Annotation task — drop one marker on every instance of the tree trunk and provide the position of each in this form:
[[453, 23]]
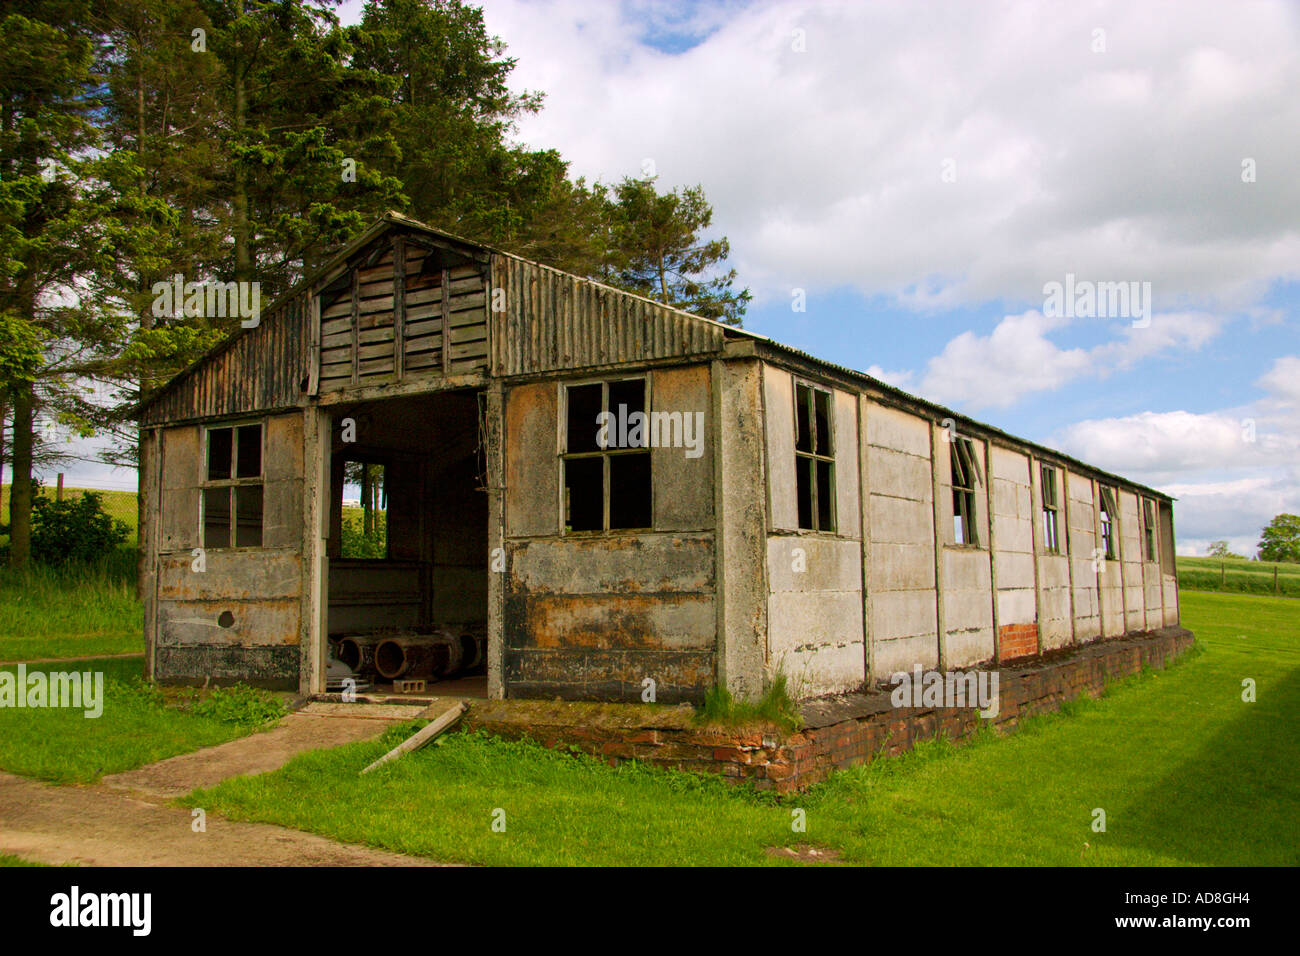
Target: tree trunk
[[367, 515], [20, 500]]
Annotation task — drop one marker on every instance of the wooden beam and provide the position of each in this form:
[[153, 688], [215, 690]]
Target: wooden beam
[[313, 337], [356, 325], [399, 307], [423, 735], [446, 320]]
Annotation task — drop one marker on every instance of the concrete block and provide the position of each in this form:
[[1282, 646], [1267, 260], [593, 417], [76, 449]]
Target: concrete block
[[898, 475], [901, 431], [829, 565], [903, 654], [902, 614], [900, 567]]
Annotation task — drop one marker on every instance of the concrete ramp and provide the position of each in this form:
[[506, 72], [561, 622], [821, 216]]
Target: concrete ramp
[[313, 728]]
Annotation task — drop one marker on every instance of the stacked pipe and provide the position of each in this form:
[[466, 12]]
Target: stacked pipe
[[358, 652], [445, 653]]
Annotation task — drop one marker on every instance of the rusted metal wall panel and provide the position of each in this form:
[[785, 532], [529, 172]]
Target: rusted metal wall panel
[[593, 617], [259, 369], [552, 320]]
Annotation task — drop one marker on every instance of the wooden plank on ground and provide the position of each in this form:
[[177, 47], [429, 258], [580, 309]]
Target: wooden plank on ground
[[423, 735]]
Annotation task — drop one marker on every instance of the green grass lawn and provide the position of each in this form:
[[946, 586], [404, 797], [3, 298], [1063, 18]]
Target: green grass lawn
[[139, 724], [71, 613], [1186, 772], [1238, 575]]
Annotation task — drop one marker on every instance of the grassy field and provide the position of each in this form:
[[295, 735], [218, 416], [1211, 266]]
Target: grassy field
[[139, 724], [79, 612], [1186, 772], [119, 504], [1238, 575]]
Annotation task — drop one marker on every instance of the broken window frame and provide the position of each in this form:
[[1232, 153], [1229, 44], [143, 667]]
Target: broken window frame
[[604, 454], [1148, 530], [965, 507], [232, 484], [1108, 516], [1049, 496], [809, 462]]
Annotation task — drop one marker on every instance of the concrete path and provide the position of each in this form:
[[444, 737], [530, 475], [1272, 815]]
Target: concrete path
[[95, 826], [125, 821], [308, 729]]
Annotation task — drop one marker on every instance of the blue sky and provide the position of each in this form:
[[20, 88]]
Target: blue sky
[[922, 170]]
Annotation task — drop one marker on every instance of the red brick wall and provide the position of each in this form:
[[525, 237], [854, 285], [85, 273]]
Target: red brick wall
[[1017, 640]]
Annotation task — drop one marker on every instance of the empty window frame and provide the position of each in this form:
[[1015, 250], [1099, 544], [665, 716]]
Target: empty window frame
[[606, 459], [1149, 529], [967, 476], [364, 521], [1051, 510], [1109, 522], [814, 457], [232, 489]]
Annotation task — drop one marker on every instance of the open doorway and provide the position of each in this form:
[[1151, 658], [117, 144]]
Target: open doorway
[[408, 564]]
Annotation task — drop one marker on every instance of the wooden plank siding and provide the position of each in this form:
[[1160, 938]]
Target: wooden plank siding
[[258, 369], [554, 321], [360, 325], [440, 306]]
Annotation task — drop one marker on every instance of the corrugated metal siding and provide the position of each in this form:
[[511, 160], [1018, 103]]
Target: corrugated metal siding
[[260, 369], [557, 321]]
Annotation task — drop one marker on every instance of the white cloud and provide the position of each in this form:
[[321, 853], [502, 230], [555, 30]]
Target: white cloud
[[1162, 445], [1232, 470], [901, 378], [1283, 381], [824, 167], [1019, 358]]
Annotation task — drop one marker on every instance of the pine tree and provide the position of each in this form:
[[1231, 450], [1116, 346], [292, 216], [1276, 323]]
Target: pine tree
[[660, 253]]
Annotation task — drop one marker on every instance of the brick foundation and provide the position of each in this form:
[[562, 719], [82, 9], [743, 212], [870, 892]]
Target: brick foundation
[[838, 732]]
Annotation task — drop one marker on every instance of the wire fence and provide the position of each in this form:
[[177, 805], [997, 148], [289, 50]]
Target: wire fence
[[118, 503]]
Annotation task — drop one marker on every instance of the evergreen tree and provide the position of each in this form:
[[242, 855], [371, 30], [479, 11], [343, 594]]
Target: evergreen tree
[[59, 229], [660, 253]]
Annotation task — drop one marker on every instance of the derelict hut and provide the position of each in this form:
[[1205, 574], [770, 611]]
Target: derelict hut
[[781, 514]]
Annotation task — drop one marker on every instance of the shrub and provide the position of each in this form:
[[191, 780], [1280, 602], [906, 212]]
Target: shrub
[[355, 543], [240, 704], [76, 529]]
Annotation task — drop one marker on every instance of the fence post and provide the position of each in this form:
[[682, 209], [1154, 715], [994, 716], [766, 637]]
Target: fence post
[[58, 494]]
